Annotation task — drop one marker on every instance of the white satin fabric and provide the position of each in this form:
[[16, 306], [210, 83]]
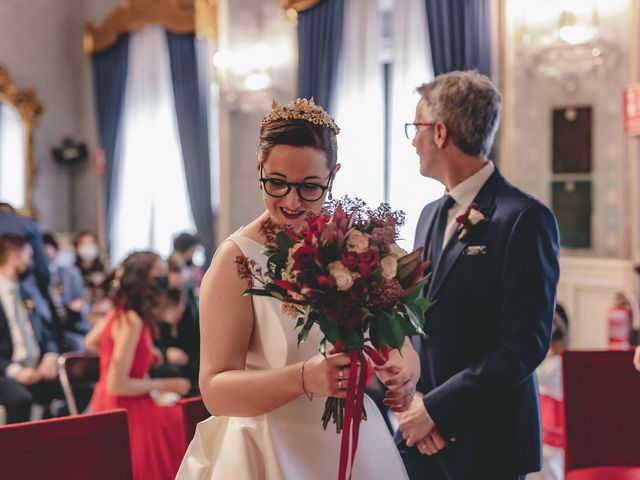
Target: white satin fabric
[[289, 442]]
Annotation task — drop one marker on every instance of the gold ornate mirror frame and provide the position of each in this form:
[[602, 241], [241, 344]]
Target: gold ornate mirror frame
[[28, 106], [176, 16], [299, 5]]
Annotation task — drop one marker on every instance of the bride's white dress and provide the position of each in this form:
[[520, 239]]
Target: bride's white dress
[[289, 442]]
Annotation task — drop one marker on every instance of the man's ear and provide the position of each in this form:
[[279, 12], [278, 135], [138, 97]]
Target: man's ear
[[441, 134]]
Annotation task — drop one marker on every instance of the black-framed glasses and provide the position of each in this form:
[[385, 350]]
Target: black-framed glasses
[[411, 129], [278, 188]]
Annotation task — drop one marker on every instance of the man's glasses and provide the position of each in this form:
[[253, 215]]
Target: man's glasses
[[311, 192], [411, 129]]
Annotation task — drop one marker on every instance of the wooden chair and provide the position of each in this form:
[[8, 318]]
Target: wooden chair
[[602, 411], [94, 446], [76, 371]]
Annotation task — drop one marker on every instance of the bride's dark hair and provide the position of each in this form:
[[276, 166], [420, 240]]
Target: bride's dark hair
[[299, 133]]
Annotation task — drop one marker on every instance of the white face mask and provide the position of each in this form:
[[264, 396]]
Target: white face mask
[[88, 252]]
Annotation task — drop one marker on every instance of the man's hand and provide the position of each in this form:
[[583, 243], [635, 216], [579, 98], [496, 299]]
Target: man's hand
[[27, 376], [48, 368], [416, 423], [432, 443], [636, 358]]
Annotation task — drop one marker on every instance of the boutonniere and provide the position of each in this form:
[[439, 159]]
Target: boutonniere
[[28, 305], [471, 218]]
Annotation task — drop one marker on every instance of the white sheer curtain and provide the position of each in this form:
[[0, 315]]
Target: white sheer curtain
[[412, 66], [152, 203], [12, 157], [359, 105]]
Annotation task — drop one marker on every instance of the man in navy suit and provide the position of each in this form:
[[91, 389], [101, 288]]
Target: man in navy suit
[[28, 350], [12, 222], [494, 263]]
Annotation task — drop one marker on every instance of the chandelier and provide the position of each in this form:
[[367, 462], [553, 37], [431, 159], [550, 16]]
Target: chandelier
[[574, 49]]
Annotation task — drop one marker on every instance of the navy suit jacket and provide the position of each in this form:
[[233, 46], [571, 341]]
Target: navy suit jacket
[[488, 331], [39, 324], [28, 228]]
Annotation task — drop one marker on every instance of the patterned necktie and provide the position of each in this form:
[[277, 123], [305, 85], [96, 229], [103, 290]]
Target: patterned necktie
[[439, 227], [30, 345]]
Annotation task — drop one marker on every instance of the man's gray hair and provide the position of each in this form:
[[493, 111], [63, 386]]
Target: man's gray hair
[[469, 105]]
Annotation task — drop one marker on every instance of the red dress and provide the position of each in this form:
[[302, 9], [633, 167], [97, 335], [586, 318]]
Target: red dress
[[155, 433]]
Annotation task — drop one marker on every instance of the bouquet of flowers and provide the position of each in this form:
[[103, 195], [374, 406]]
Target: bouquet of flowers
[[344, 272]]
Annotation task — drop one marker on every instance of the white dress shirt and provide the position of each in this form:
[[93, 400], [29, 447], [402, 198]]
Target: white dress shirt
[[8, 290], [464, 193]]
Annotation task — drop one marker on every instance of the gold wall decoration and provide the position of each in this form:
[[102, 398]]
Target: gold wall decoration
[[176, 16], [28, 106], [299, 5]]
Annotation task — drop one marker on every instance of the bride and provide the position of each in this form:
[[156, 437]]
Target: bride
[[267, 394]]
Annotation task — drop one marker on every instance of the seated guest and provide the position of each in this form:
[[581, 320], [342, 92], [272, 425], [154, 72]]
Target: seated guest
[[89, 263], [69, 307], [179, 328], [551, 399], [138, 289], [12, 222], [28, 350], [185, 246]]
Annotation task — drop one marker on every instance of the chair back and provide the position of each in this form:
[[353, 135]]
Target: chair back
[[94, 446], [602, 409], [193, 412], [77, 370]]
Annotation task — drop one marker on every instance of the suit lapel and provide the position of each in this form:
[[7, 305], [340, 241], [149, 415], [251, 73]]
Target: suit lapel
[[423, 235], [486, 202]]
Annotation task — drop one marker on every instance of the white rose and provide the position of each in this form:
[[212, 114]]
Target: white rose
[[396, 251], [475, 216], [341, 275], [357, 242], [389, 267]]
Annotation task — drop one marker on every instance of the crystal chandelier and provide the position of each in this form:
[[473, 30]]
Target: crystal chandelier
[[574, 48]]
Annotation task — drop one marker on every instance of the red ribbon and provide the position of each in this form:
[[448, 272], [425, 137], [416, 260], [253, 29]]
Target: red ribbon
[[354, 404]]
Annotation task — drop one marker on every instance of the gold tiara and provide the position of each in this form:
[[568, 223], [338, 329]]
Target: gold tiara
[[301, 109]]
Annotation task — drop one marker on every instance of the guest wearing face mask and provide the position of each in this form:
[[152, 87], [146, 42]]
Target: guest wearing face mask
[[179, 331], [185, 246], [68, 304], [88, 260], [12, 222]]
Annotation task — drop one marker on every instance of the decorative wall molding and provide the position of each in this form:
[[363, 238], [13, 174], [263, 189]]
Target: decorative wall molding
[[28, 106], [176, 16], [586, 290]]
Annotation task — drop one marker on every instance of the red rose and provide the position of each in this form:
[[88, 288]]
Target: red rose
[[349, 314], [367, 262], [305, 258], [350, 260]]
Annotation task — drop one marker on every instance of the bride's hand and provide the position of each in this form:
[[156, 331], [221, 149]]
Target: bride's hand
[[397, 376], [327, 376]]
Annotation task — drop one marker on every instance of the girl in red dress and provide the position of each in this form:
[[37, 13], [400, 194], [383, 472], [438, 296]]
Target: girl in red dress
[[126, 355]]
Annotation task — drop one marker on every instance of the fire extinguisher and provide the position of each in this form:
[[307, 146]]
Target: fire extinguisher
[[621, 320]]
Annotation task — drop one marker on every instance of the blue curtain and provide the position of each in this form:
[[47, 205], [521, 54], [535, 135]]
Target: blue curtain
[[190, 89], [460, 35], [110, 75], [319, 45]]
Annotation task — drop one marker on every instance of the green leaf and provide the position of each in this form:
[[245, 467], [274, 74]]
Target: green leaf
[[285, 242], [351, 338], [374, 333], [396, 329], [300, 322], [416, 316], [323, 347], [424, 304], [329, 327], [304, 332]]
